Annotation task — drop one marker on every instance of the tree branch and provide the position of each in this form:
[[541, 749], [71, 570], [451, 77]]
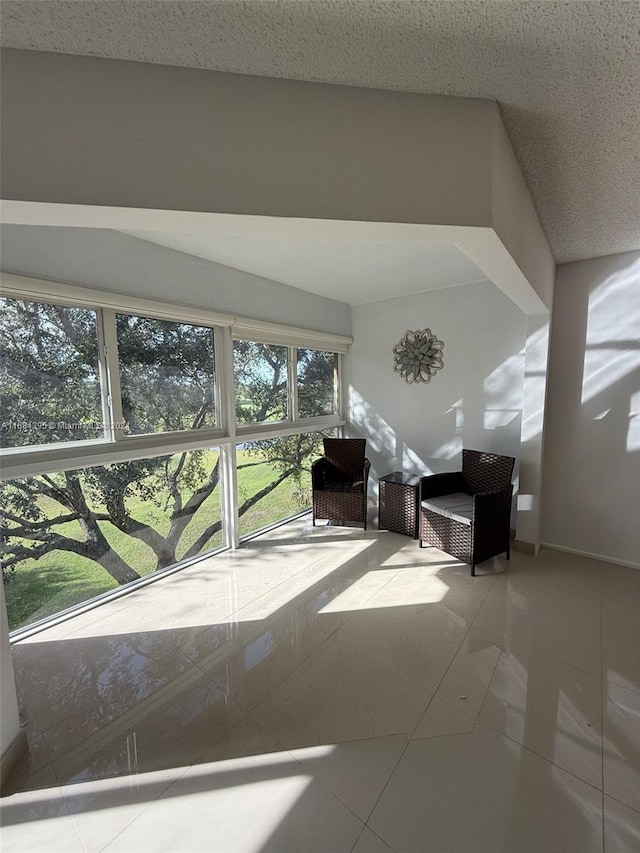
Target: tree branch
[[33, 526], [210, 531]]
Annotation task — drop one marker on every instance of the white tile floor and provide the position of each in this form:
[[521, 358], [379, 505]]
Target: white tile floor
[[333, 690]]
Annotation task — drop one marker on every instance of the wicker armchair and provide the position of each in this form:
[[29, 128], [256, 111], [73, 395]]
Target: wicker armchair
[[468, 513], [339, 481]]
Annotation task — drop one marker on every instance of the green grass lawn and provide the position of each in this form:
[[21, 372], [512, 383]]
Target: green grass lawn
[[40, 588]]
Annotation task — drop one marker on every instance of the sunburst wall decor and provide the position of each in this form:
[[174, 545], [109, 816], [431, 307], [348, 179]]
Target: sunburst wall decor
[[417, 356]]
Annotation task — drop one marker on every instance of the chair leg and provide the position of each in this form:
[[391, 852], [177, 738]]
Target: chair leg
[[473, 570], [420, 545]]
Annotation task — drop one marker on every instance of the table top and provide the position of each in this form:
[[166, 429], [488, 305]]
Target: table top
[[402, 478]]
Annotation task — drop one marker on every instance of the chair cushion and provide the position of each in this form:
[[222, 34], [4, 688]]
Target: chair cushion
[[457, 506]]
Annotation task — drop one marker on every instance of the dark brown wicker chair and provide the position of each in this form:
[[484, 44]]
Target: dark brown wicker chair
[[468, 513], [339, 481]]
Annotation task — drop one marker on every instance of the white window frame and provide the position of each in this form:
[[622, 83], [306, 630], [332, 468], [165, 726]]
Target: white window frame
[[118, 447]]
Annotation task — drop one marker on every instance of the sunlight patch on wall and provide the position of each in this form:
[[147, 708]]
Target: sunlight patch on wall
[[633, 435], [503, 390], [378, 432], [612, 347], [535, 380]]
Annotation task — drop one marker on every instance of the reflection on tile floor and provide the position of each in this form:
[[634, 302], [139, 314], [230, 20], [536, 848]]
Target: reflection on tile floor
[[333, 690]]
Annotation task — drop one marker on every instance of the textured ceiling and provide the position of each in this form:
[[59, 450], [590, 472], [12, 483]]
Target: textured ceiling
[[566, 75]]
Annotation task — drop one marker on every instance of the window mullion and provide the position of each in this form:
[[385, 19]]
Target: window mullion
[[229, 477], [104, 377], [292, 367], [116, 431]]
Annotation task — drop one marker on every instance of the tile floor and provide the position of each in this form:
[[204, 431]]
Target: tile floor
[[332, 690]]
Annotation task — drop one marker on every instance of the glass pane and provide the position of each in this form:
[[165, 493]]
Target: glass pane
[[317, 378], [71, 536], [274, 478], [49, 376], [261, 382], [166, 375]]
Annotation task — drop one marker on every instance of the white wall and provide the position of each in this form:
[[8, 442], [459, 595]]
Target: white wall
[[84, 130], [475, 401], [112, 261], [591, 490]]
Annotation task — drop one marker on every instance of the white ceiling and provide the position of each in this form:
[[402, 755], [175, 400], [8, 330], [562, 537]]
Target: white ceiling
[[342, 269], [566, 75]]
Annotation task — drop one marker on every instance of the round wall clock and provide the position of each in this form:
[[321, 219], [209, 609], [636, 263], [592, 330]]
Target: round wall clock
[[417, 356]]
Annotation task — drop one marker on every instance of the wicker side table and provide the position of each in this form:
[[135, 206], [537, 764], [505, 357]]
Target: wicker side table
[[398, 503]]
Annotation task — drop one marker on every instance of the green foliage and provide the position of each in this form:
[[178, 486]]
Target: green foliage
[[69, 535], [261, 382], [316, 382], [48, 374], [166, 374]]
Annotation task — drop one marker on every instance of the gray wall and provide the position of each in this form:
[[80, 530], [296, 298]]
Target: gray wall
[[83, 130], [591, 491], [475, 401], [117, 262]]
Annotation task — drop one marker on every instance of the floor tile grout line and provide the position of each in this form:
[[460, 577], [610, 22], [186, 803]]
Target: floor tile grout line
[[622, 803], [77, 831], [249, 713], [386, 784], [373, 832], [539, 755], [444, 675], [146, 807]]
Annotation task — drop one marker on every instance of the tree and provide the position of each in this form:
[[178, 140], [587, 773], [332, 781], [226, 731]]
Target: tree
[[50, 376]]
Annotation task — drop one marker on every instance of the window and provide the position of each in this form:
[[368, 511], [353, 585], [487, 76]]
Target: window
[[261, 382], [274, 478], [70, 536], [49, 374], [167, 375], [128, 499], [317, 373]]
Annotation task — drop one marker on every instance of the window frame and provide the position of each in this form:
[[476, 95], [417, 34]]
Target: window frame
[[117, 447]]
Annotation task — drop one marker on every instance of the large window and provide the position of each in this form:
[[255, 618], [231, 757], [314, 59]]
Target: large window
[[107, 419], [277, 383], [166, 375], [317, 382], [274, 478], [49, 374], [261, 382], [67, 537]]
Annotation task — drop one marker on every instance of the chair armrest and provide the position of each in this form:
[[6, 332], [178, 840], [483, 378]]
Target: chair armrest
[[493, 507], [441, 484]]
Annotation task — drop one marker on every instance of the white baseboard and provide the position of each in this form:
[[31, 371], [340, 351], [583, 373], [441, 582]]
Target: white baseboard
[[602, 557]]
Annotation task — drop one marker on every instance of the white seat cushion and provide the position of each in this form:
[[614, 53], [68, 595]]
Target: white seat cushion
[[457, 506]]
